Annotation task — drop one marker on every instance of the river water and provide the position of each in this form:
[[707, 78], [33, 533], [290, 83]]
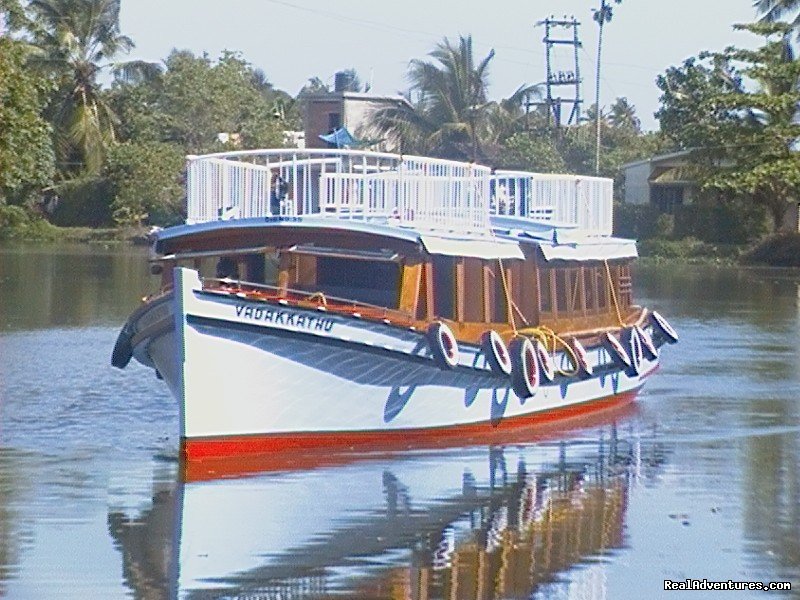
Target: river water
[[699, 479]]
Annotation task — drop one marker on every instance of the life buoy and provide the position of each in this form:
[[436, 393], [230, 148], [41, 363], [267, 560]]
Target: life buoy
[[648, 346], [662, 326], [616, 350], [548, 368], [635, 352], [579, 351], [496, 353], [524, 367], [444, 347]]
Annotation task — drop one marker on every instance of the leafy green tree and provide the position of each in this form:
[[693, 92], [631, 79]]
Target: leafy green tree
[[198, 99], [26, 150], [535, 153], [146, 182], [737, 109], [193, 106], [449, 116]]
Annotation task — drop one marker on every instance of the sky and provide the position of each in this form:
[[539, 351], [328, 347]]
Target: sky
[[293, 40]]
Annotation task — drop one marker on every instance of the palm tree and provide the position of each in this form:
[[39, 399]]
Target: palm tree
[[74, 41], [776, 10], [622, 115], [451, 103], [602, 15]]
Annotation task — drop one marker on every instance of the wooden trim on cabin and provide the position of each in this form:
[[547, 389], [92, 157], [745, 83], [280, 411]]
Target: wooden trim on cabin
[[459, 291], [429, 306], [284, 272], [410, 284], [488, 295]]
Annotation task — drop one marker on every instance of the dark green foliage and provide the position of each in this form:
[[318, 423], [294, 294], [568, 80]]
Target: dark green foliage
[[780, 250], [706, 220], [26, 151], [636, 221], [83, 201], [146, 182], [17, 223], [532, 153], [195, 99], [690, 250], [734, 221]]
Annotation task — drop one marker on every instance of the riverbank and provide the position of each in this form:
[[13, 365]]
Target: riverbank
[[18, 225], [689, 251]]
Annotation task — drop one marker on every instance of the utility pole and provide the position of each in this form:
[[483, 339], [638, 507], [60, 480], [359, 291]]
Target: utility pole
[[559, 79]]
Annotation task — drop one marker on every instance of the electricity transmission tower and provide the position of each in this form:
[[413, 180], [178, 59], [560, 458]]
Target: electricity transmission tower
[[556, 80]]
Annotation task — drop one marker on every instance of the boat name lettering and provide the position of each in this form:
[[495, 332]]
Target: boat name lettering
[[281, 317]]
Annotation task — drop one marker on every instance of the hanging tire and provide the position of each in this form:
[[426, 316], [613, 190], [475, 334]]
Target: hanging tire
[[649, 348], [496, 353], [633, 344], [662, 326], [583, 366], [443, 345], [123, 351], [524, 368], [546, 364], [616, 350]]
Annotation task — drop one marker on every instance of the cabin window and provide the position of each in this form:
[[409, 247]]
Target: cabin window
[[545, 286], [624, 285], [589, 288], [497, 292], [334, 120], [562, 290], [601, 277], [444, 286], [372, 282], [254, 268], [473, 290]]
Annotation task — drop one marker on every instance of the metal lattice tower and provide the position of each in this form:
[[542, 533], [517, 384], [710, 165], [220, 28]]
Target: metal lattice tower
[[556, 80]]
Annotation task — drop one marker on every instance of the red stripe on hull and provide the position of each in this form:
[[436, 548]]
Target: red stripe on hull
[[217, 456]]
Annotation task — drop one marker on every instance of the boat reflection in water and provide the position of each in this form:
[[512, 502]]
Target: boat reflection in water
[[461, 523]]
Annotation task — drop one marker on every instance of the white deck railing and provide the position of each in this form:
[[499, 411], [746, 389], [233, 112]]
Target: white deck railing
[[425, 193], [586, 202]]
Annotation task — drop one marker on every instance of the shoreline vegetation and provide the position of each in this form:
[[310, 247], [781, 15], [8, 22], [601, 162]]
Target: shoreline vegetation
[[778, 250]]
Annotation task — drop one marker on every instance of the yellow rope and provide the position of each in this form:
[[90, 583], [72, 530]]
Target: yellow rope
[[319, 295], [507, 294], [613, 293], [550, 339]]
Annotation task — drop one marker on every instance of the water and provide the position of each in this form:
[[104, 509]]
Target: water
[[698, 480]]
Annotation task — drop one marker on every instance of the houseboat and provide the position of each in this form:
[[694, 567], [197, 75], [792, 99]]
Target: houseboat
[[339, 299]]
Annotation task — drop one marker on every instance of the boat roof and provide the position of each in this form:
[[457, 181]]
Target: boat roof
[[556, 241]]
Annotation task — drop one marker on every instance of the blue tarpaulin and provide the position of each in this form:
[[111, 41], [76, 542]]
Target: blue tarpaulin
[[340, 138]]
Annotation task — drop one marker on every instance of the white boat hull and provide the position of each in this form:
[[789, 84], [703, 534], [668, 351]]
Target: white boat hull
[[254, 377]]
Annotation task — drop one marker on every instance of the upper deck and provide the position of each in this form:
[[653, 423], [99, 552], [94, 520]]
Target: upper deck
[[424, 194]]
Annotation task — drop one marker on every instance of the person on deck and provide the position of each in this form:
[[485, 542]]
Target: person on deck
[[279, 189]]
